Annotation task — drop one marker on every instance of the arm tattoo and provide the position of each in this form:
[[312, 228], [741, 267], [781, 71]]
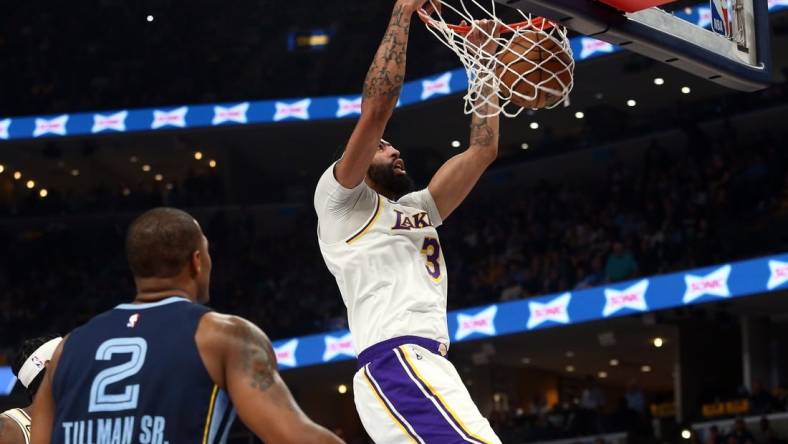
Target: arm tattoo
[[258, 359], [481, 132], [387, 72]]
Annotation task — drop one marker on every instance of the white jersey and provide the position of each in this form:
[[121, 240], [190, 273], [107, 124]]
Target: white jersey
[[22, 419], [387, 261]]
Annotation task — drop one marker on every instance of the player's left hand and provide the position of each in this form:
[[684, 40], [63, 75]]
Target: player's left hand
[[484, 34]]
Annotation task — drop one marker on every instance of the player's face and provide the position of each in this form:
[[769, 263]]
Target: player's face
[[204, 276], [388, 172]]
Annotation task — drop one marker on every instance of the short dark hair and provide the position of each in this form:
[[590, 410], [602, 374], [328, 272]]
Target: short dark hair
[[161, 241], [27, 348]]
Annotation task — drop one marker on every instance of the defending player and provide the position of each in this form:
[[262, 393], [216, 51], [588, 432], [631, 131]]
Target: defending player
[[166, 369], [29, 368], [379, 240]]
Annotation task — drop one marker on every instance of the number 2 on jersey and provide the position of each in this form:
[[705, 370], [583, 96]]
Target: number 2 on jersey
[[100, 400], [431, 249]]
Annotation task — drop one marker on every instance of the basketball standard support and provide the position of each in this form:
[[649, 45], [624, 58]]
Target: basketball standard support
[[669, 39]]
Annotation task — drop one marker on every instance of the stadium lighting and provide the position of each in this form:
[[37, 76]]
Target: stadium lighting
[[17, 175], [631, 103], [212, 163], [602, 375], [30, 184], [614, 362], [455, 143], [526, 361], [149, 18], [169, 186], [534, 125], [659, 81], [685, 90], [158, 177], [570, 354], [197, 155], [570, 368], [133, 159], [525, 145], [43, 192], [2, 168], [342, 389], [645, 368], [658, 342], [580, 115], [75, 172], [686, 434], [146, 168]]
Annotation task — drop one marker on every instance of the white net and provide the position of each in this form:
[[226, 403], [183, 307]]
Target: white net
[[527, 64]]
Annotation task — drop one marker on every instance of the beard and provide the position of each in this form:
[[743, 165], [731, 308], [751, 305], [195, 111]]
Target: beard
[[391, 185]]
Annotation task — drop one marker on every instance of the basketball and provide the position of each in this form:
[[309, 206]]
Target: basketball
[[535, 70]]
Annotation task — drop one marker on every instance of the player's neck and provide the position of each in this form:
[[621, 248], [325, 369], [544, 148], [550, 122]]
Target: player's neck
[[157, 289], [379, 189]]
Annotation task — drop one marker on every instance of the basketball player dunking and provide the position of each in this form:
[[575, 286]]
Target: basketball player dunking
[[166, 369], [379, 240], [29, 367]]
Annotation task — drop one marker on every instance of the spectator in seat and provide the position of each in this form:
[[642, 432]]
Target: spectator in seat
[[621, 264], [768, 433], [761, 401], [740, 434], [713, 436]]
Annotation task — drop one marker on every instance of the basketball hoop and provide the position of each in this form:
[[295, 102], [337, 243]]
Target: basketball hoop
[[531, 66]]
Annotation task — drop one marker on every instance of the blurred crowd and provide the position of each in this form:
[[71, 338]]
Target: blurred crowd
[[108, 55], [718, 200]]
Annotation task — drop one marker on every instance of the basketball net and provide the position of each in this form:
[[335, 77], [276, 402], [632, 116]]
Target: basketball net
[[526, 79]]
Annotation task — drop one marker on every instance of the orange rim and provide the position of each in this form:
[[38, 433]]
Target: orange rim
[[537, 23]]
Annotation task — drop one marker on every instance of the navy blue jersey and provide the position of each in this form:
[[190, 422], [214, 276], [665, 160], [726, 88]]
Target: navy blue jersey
[[134, 375]]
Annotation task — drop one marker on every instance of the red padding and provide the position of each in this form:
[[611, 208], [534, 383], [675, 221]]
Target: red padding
[[635, 5]]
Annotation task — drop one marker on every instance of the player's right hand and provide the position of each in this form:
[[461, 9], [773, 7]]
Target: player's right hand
[[414, 5]]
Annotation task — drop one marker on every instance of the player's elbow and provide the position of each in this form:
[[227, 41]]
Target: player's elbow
[[486, 154], [378, 108]]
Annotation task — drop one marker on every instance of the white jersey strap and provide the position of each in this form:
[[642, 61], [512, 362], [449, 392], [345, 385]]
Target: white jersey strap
[[22, 419]]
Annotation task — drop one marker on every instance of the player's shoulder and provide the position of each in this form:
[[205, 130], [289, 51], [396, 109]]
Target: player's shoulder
[[227, 329], [10, 433]]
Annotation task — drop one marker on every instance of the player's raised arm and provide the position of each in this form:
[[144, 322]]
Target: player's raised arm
[[457, 177], [381, 91], [240, 355]]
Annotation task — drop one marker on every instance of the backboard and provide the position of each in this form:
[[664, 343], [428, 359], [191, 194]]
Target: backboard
[[740, 60]]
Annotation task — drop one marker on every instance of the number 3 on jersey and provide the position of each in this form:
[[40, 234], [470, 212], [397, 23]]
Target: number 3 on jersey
[[100, 400], [431, 249]]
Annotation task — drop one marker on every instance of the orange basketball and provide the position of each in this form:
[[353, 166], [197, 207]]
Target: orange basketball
[[532, 67]]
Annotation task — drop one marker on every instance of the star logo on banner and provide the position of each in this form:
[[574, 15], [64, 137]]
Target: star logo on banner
[[713, 284], [633, 298], [176, 118], [555, 311], [295, 110], [286, 353], [114, 122], [775, 3], [235, 114], [704, 17], [4, 125], [51, 126], [438, 86], [349, 107], [591, 46], [778, 274], [342, 346], [482, 322]]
